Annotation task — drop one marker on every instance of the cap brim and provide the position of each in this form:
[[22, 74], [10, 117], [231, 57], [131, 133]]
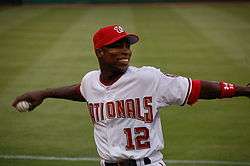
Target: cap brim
[[131, 37]]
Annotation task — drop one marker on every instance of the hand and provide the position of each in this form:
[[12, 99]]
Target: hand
[[35, 98]]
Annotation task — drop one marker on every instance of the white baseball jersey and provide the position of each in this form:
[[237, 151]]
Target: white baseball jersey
[[126, 114]]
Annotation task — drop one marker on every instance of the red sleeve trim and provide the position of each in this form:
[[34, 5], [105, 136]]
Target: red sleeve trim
[[188, 92], [195, 92]]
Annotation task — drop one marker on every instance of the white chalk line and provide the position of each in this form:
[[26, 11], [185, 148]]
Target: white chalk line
[[27, 157]]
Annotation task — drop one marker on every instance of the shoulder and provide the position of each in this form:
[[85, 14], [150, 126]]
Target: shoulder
[[145, 73], [144, 70], [91, 75], [88, 79]]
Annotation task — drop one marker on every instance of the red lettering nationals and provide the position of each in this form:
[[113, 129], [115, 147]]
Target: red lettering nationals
[[129, 108]]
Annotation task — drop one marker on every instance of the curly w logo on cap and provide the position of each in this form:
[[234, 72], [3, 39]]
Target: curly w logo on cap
[[118, 29], [111, 34]]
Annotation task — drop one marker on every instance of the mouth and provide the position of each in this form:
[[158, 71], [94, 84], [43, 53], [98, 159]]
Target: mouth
[[123, 60]]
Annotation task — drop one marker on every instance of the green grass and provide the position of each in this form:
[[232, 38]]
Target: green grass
[[46, 46], [45, 162]]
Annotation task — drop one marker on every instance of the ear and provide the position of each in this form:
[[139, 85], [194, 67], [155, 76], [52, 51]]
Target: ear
[[99, 52]]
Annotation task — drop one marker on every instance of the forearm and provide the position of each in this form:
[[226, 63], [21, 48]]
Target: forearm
[[35, 98], [242, 91], [213, 90]]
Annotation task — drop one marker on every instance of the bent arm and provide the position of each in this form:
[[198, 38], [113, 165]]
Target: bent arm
[[35, 98]]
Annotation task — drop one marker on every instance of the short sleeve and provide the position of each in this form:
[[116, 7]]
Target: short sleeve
[[172, 90], [82, 88], [87, 83]]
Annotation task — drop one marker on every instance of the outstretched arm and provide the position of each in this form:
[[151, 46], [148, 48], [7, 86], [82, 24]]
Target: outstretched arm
[[211, 90], [35, 98]]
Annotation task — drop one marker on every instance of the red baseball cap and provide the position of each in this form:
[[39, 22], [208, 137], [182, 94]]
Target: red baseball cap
[[111, 34]]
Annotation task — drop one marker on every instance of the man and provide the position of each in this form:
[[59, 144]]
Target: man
[[124, 101]]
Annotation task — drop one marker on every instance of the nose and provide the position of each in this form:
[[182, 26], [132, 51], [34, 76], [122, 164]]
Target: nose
[[126, 51]]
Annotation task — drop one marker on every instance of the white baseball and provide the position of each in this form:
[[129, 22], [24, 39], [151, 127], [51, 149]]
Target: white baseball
[[23, 106]]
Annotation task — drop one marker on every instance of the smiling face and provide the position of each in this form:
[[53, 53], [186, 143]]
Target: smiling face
[[115, 57]]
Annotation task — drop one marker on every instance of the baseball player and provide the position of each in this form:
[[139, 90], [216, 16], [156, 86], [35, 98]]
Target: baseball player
[[124, 101]]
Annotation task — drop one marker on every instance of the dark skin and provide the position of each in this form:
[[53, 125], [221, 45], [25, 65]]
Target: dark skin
[[113, 62]]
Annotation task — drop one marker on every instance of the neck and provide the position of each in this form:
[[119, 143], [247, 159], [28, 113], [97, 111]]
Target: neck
[[108, 77]]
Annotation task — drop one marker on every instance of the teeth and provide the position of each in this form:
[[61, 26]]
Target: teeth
[[123, 60]]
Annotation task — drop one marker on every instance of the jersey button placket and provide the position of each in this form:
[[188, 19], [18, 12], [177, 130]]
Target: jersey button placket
[[109, 96]]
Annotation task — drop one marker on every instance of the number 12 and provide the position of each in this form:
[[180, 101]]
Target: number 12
[[141, 137]]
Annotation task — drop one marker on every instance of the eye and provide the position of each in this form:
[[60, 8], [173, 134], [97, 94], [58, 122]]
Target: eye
[[114, 45], [120, 44], [127, 45]]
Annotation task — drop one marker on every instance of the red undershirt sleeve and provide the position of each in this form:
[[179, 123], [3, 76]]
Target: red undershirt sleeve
[[195, 92]]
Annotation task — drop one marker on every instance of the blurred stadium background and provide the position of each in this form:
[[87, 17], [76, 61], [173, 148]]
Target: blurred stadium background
[[48, 44]]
